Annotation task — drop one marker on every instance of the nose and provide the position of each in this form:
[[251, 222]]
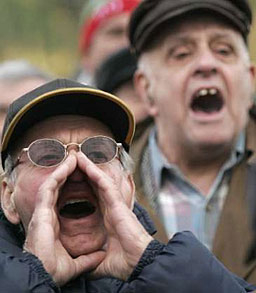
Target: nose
[[206, 64], [78, 174]]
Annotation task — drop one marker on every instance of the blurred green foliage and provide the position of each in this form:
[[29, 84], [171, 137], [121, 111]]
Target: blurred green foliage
[[45, 32]]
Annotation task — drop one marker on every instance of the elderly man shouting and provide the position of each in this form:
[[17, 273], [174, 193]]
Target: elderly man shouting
[[70, 222], [196, 167]]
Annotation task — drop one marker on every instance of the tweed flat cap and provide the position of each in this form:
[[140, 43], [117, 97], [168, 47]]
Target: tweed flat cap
[[150, 14]]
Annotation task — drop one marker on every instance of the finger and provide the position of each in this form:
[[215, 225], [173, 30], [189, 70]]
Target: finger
[[48, 192], [120, 219], [94, 173], [101, 182], [109, 194], [90, 262]]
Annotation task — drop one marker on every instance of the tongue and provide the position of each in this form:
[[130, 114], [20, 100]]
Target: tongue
[[77, 210]]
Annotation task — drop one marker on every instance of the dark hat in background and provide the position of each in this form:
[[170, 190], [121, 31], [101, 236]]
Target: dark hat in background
[[150, 14], [64, 97], [116, 70]]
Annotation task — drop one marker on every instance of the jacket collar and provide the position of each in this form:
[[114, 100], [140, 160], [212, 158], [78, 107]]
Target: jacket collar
[[144, 218]]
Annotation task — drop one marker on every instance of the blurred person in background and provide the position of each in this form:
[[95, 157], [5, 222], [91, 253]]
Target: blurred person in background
[[196, 169], [103, 31], [16, 78], [115, 75]]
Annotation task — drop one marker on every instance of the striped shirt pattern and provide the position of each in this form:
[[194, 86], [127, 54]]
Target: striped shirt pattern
[[179, 204]]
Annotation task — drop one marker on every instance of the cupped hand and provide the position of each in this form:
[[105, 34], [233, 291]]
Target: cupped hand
[[127, 238], [42, 237]]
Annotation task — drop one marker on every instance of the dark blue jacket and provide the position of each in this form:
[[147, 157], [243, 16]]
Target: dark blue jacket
[[184, 265]]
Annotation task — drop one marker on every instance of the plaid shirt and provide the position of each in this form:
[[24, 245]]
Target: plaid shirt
[[180, 205]]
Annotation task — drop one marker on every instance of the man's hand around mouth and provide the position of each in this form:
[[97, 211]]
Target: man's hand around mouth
[[42, 237], [127, 238]]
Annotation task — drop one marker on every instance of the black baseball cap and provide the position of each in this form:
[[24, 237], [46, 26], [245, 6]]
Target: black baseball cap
[[117, 69], [63, 97], [150, 14]]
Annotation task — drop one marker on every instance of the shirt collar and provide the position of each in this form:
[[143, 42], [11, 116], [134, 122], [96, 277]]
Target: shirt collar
[[159, 161]]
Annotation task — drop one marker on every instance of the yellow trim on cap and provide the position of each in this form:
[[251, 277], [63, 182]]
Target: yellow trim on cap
[[96, 92]]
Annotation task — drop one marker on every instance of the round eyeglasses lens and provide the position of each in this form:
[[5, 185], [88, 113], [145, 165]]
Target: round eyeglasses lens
[[99, 149], [46, 152]]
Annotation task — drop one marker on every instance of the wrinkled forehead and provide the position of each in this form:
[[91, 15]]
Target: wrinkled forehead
[[67, 128]]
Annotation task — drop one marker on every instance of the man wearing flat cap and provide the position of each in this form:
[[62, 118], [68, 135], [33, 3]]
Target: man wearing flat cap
[[69, 221], [196, 168]]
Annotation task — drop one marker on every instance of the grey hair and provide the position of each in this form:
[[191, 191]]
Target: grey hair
[[17, 70], [9, 170], [126, 161]]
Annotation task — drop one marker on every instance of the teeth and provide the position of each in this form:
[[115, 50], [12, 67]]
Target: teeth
[[75, 201], [204, 92], [213, 91]]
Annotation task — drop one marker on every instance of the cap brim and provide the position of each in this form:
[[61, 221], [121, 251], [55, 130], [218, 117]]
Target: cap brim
[[76, 101]]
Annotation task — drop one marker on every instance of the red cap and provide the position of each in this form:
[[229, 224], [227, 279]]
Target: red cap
[[105, 12]]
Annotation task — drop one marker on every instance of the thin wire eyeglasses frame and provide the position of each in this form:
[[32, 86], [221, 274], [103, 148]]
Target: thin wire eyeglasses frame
[[26, 149]]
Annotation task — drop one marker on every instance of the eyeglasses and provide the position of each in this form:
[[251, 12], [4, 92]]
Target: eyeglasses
[[48, 152]]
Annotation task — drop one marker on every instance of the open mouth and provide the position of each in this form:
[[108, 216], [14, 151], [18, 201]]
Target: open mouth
[[207, 100], [76, 209]]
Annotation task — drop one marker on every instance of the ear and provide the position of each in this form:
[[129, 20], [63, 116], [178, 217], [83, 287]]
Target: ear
[[142, 87], [252, 70], [252, 75], [7, 202]]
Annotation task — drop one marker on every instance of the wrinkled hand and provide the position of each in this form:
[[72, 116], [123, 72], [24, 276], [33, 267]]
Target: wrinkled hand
[[42, 237], [127, 238]]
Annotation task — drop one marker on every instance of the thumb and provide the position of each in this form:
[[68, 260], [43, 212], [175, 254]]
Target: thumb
[[87, 263]]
